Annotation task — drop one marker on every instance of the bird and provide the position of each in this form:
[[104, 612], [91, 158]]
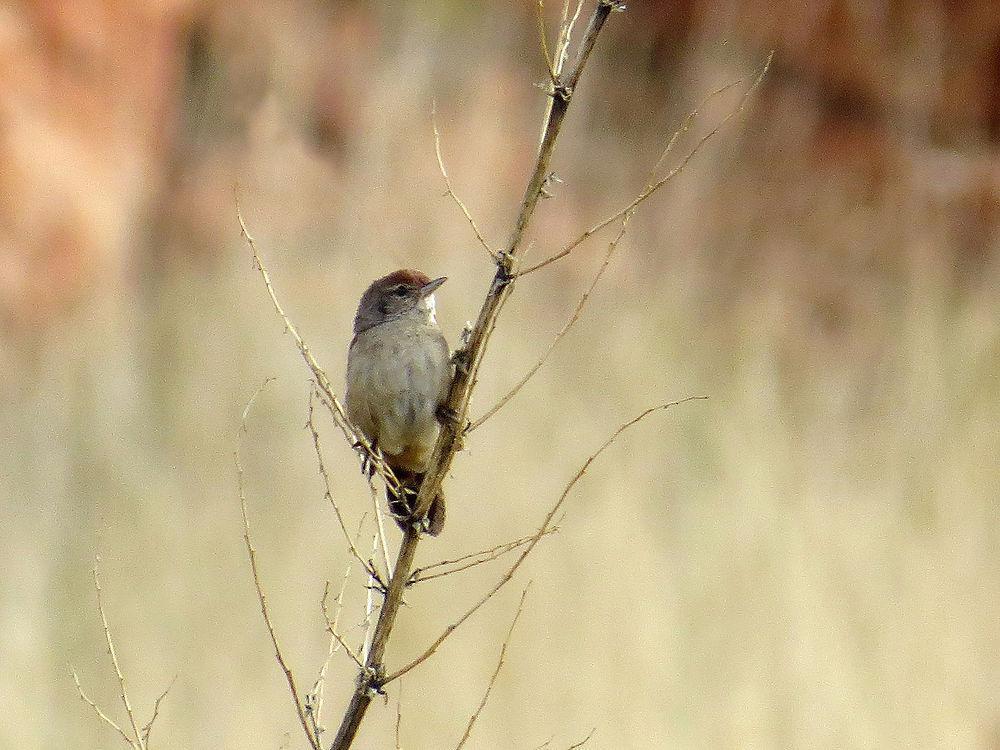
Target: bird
[[398, 374]]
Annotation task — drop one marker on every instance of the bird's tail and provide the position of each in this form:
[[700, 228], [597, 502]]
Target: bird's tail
[[401, 505]]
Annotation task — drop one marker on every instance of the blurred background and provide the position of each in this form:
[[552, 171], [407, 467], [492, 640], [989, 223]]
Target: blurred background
[[806, 560]]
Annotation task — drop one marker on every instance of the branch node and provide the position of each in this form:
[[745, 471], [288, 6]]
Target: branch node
[[372, 679], [505, 268], [561, 91]]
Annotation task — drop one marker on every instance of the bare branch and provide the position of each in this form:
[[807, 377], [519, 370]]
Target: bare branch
[[380, 525], [582, 742], [139, 738], [114, 660], [651, 189], [314, 699], [534, 540], [457, 403], [348, 650], [505, 399], [471, 560], [451, 190], [354, 437], [252, 554], [496, 672], [332, 624], [327, 493], [97, 709], [565, 33], [612, 247]]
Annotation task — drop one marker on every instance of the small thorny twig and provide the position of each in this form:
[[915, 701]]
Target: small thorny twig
[[327, 492], [314, 698], [451, 191], [139, 738], [470, 560]]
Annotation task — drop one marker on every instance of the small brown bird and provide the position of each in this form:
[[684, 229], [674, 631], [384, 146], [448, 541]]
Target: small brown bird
[[398, 374]]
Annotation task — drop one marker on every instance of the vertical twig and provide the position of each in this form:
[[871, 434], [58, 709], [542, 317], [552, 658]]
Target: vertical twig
[[496, 672], [140, 743], [261, 598]]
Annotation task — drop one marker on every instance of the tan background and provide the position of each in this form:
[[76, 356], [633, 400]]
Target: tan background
[[809, 559]]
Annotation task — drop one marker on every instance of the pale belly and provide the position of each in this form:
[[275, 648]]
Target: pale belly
[[397, 376]]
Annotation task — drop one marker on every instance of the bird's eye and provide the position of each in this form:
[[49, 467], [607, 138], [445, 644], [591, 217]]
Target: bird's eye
[[399, 291]]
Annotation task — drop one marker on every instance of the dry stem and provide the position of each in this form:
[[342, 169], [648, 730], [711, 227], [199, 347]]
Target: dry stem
[[471, 560], [496, 672], [651, 189], [612, 247], [114, 660], [546, 525], [354, 437], [582, 742], [140, 737], [399, 714], [450, 190], [97, 709], [314, 698], [328, 493], [505, 399], [252, 553], [148, 728]]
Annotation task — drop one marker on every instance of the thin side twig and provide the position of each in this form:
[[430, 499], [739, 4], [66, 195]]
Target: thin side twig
[[399, 715], [651, 189], [496, 672], [506, 398], [565, 33], [261, 597], [140, 738], [327, 492], [373, 583], [380, 525], [450, 191], [354, 437], [314, 698], [582, 742], [332, 624], [543, 40], [612, 247], [471, 560], [148, 728], [546, 523]]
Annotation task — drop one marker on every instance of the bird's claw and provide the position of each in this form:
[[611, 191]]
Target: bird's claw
[[447, 416]]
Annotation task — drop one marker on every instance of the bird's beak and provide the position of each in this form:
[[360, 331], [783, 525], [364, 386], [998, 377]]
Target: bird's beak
[[428, 288]]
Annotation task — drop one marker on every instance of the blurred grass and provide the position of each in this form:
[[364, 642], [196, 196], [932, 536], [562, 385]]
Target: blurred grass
[[806, 560]]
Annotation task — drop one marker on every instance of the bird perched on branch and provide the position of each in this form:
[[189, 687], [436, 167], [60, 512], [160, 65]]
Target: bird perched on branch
[[398, 374]]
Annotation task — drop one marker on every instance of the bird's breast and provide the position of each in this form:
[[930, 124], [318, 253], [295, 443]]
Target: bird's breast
[[397, 376]]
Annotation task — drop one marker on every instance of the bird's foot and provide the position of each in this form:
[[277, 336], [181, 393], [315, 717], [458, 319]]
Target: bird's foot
[[368, 458]]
